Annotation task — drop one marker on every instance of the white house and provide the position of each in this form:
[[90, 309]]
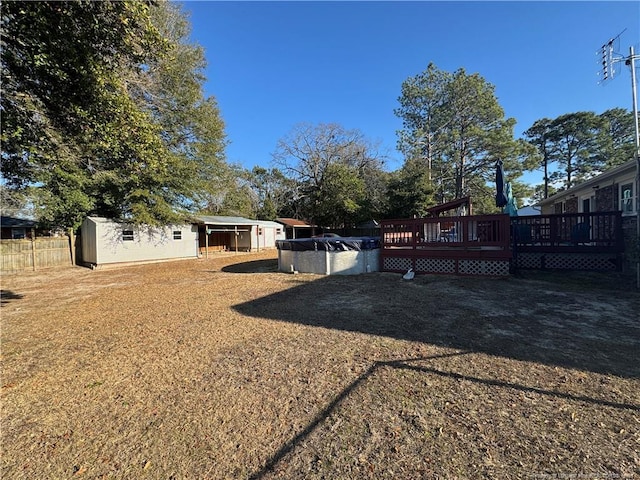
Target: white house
[[107, 242]]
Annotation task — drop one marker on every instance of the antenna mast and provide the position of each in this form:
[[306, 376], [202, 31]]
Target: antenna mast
[[631, 61], [608, 72]]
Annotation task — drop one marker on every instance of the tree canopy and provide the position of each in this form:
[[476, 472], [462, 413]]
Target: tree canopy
[[331, 167], [454, 125], [577, 146], [103, 111]]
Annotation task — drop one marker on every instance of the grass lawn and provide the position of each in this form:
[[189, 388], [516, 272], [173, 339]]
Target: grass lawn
[[224, 368]]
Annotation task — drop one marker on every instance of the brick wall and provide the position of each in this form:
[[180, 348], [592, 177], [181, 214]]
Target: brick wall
[[631, 243], [606, 198], [571, 205]]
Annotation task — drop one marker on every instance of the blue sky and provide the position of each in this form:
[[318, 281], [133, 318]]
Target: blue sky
[[272, 65]]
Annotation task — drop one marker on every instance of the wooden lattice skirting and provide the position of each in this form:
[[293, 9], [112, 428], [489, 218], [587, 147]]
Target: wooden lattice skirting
[[488, 267], [568, 261]]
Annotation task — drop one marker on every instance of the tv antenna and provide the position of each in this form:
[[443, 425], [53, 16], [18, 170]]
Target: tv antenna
[[609, 55]]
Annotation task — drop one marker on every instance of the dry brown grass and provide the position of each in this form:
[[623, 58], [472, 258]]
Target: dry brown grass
[[224, 368]]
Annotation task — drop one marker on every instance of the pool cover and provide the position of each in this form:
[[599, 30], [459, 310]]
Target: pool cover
[[329, 244]]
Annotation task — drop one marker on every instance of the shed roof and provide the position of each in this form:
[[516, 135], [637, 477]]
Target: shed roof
[[267, 223], [292, 222]]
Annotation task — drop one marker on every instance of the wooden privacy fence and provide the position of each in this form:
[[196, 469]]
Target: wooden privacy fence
[[472, 245], [32, 254]]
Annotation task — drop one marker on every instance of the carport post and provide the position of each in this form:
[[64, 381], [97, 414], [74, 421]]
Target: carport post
[[236, 230]]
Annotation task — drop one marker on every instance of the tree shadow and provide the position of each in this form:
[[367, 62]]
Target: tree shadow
[[7, 295], [409, 364], [524, 320], [255, 266]]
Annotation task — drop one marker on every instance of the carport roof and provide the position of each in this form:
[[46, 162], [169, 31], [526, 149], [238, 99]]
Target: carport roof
[[221, 220]]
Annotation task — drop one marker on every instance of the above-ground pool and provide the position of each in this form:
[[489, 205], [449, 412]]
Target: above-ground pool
[[329, 256]]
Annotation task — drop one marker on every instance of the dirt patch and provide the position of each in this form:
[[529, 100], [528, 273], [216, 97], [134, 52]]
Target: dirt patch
[[225, 368]]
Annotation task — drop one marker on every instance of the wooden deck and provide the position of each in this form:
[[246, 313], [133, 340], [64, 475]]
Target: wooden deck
[[570, 241], [597, 232], [472, 245], [496, 244]]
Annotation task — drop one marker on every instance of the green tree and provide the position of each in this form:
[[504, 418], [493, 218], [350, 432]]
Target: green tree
[[540, 193], [310, 155], [234, 196], [375, 204], [15, 203], [340, 198], [478, 134], [60, 88], [617, 138], [170, 89], [576, 146], [576, 143], [273, 190], [539, 136], [410, 191], [453, 121], [423, 121], [104, 112]]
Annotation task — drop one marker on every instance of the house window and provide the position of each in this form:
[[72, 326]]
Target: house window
[[627, 198], [177, 234], [127, 235], [18, 233]]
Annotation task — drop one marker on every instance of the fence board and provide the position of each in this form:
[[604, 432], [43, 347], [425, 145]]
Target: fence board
[[19, 255]]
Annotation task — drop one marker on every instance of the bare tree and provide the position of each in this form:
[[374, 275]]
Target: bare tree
[[313, 154]]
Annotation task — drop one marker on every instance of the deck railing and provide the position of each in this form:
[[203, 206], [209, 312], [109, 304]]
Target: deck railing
[[491, 244], [450, 233], [474, 245], [597, 232]]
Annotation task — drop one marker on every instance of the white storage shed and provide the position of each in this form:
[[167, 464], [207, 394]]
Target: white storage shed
[[105, 241]]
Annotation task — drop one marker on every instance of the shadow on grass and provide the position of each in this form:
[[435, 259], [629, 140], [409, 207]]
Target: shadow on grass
[[404, 364], [255, 266], [7, 295], [579, 325], [581, 280], [534, 321]]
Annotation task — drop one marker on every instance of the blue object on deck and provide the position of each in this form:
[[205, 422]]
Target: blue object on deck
[[580, 233], [510, 208]]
